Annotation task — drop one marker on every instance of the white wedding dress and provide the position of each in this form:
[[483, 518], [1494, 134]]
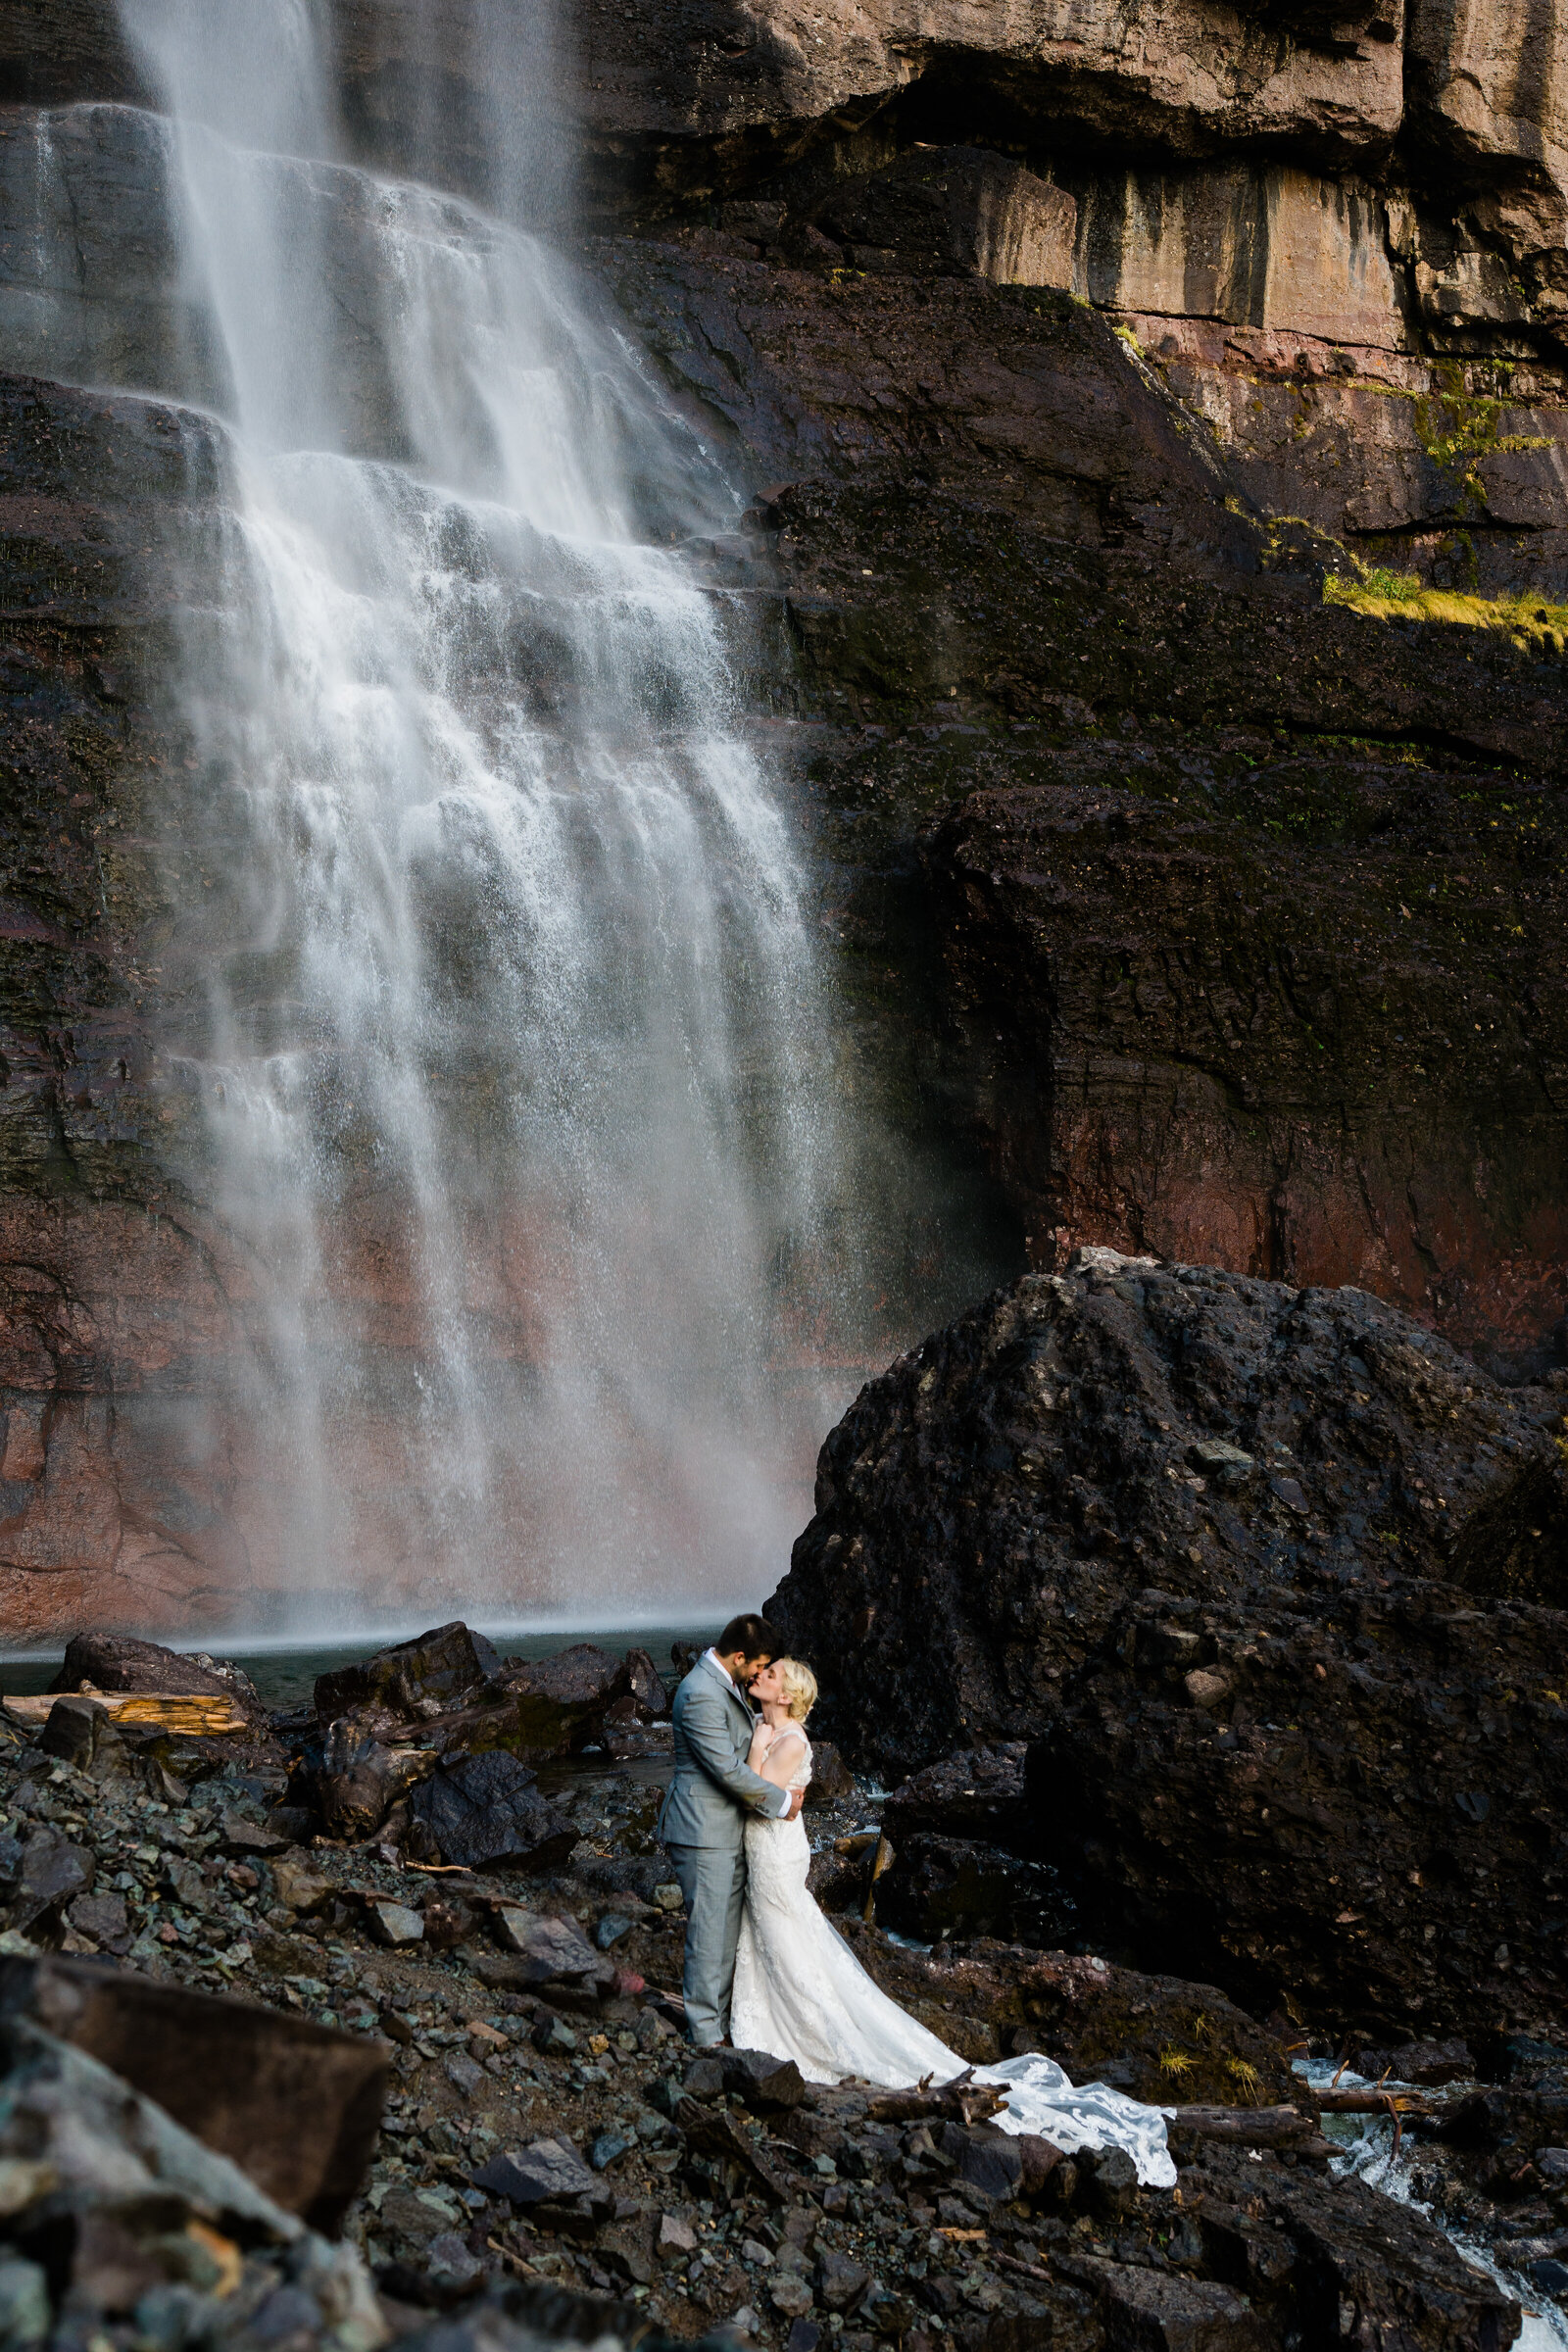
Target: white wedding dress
[[799, 1992]]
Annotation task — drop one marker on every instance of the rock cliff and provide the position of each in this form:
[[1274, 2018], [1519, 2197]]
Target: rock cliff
[[1274, 1580], [1154, 588]]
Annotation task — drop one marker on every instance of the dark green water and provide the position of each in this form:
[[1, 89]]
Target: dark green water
[[285, 1675]]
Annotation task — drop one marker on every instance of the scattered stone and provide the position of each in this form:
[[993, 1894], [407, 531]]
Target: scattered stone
[[667, 1897], [298, 1886], [102, 1920], [552, 1951], [547, 2169], [392, 1922], [790, 2295], [53, 1872], [764, 2082], [839, 2282], [463, 2074], [244, 1837], [717, 2134]]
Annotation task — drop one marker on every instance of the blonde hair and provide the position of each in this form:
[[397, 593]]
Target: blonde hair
[[799, 1686]]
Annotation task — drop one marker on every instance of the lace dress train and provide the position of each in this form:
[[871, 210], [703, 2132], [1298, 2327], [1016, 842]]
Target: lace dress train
[[799, 1992]]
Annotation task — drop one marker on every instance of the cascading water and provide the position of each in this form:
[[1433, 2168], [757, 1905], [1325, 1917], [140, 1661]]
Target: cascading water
[[502, 1014]]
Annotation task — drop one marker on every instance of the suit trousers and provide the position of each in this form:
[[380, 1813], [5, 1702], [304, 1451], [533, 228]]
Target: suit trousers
[[712, 1878]]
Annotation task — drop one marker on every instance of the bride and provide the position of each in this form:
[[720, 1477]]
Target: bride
[[801, 1993]]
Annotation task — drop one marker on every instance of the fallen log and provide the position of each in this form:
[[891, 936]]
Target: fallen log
[[1366, 2100], [961, 2102], [1255, 2126], [188, 1714]]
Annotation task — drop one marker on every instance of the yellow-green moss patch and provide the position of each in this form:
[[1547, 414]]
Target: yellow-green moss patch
[[1535, 625]]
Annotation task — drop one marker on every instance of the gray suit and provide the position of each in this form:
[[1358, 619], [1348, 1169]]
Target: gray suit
[[703, 1823]]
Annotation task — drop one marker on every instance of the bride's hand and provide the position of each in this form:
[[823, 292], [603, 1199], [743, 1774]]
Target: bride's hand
[[762, 1741]]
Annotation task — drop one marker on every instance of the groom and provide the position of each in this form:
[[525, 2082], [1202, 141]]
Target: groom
[[703, 1819]]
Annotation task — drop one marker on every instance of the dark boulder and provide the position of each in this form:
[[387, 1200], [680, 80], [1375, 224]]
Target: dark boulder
[[486, 1813], [1272, 1580], [563, 1702], [417, 1680], [551, 1952], [119, 1662], [547, 2170], [73, 1730], [977, 1793], [52, 1873], [1337, 2262], [647, 1685], [761, 2082], [832, 1782]]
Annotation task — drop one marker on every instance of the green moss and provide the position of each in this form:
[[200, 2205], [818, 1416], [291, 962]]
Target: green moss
[[1533, 623]]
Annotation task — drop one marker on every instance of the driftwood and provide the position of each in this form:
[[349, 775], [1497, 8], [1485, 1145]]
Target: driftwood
[[1366, 2100], [190, 1714], [1255, 2126], [960, 2102]]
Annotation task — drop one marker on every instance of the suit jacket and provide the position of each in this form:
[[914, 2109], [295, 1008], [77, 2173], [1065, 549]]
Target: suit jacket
[[713, 1787]]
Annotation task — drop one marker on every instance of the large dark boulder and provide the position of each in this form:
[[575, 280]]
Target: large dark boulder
[[563, 1702], [486, 1813], [418, 1678], [119, 1662], [1274, 1581]]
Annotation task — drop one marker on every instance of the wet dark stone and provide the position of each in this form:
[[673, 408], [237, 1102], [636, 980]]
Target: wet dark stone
[[418, 1678], [486, 1813]]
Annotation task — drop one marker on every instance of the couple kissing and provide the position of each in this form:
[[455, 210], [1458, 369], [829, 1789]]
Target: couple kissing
[[764, 1969]]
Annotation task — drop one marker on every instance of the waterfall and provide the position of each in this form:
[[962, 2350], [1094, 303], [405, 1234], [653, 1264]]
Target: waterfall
[[500, 1009]]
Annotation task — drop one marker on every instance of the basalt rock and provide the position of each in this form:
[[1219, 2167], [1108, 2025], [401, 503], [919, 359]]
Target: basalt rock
[[1273, 1580], [359, 1781], [117, 1662], [563, 1702], [485, 1812], [417, 1680]]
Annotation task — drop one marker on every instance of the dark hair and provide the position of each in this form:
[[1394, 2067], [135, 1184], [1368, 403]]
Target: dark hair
[[751, 1636]]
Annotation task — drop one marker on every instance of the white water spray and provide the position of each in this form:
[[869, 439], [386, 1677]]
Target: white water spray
[[510, 1036]]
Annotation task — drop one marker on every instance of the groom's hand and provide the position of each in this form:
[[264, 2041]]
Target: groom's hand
[[797, 1800]]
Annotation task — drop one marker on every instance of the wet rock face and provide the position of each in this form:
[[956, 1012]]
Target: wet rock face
[[1274, 1582], [1164, 984], [1208, 982]]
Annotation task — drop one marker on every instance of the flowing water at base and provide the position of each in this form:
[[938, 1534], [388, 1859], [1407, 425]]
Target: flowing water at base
[[1369, 2155]]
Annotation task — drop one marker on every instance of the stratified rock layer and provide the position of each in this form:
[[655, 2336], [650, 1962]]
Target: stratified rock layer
[[1275, 1582]]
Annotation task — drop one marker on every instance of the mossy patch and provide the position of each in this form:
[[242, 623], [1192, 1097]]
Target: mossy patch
[[1535, 625]]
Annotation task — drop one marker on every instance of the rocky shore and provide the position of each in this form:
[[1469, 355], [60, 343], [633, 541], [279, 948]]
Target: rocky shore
[[452, 2033]]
